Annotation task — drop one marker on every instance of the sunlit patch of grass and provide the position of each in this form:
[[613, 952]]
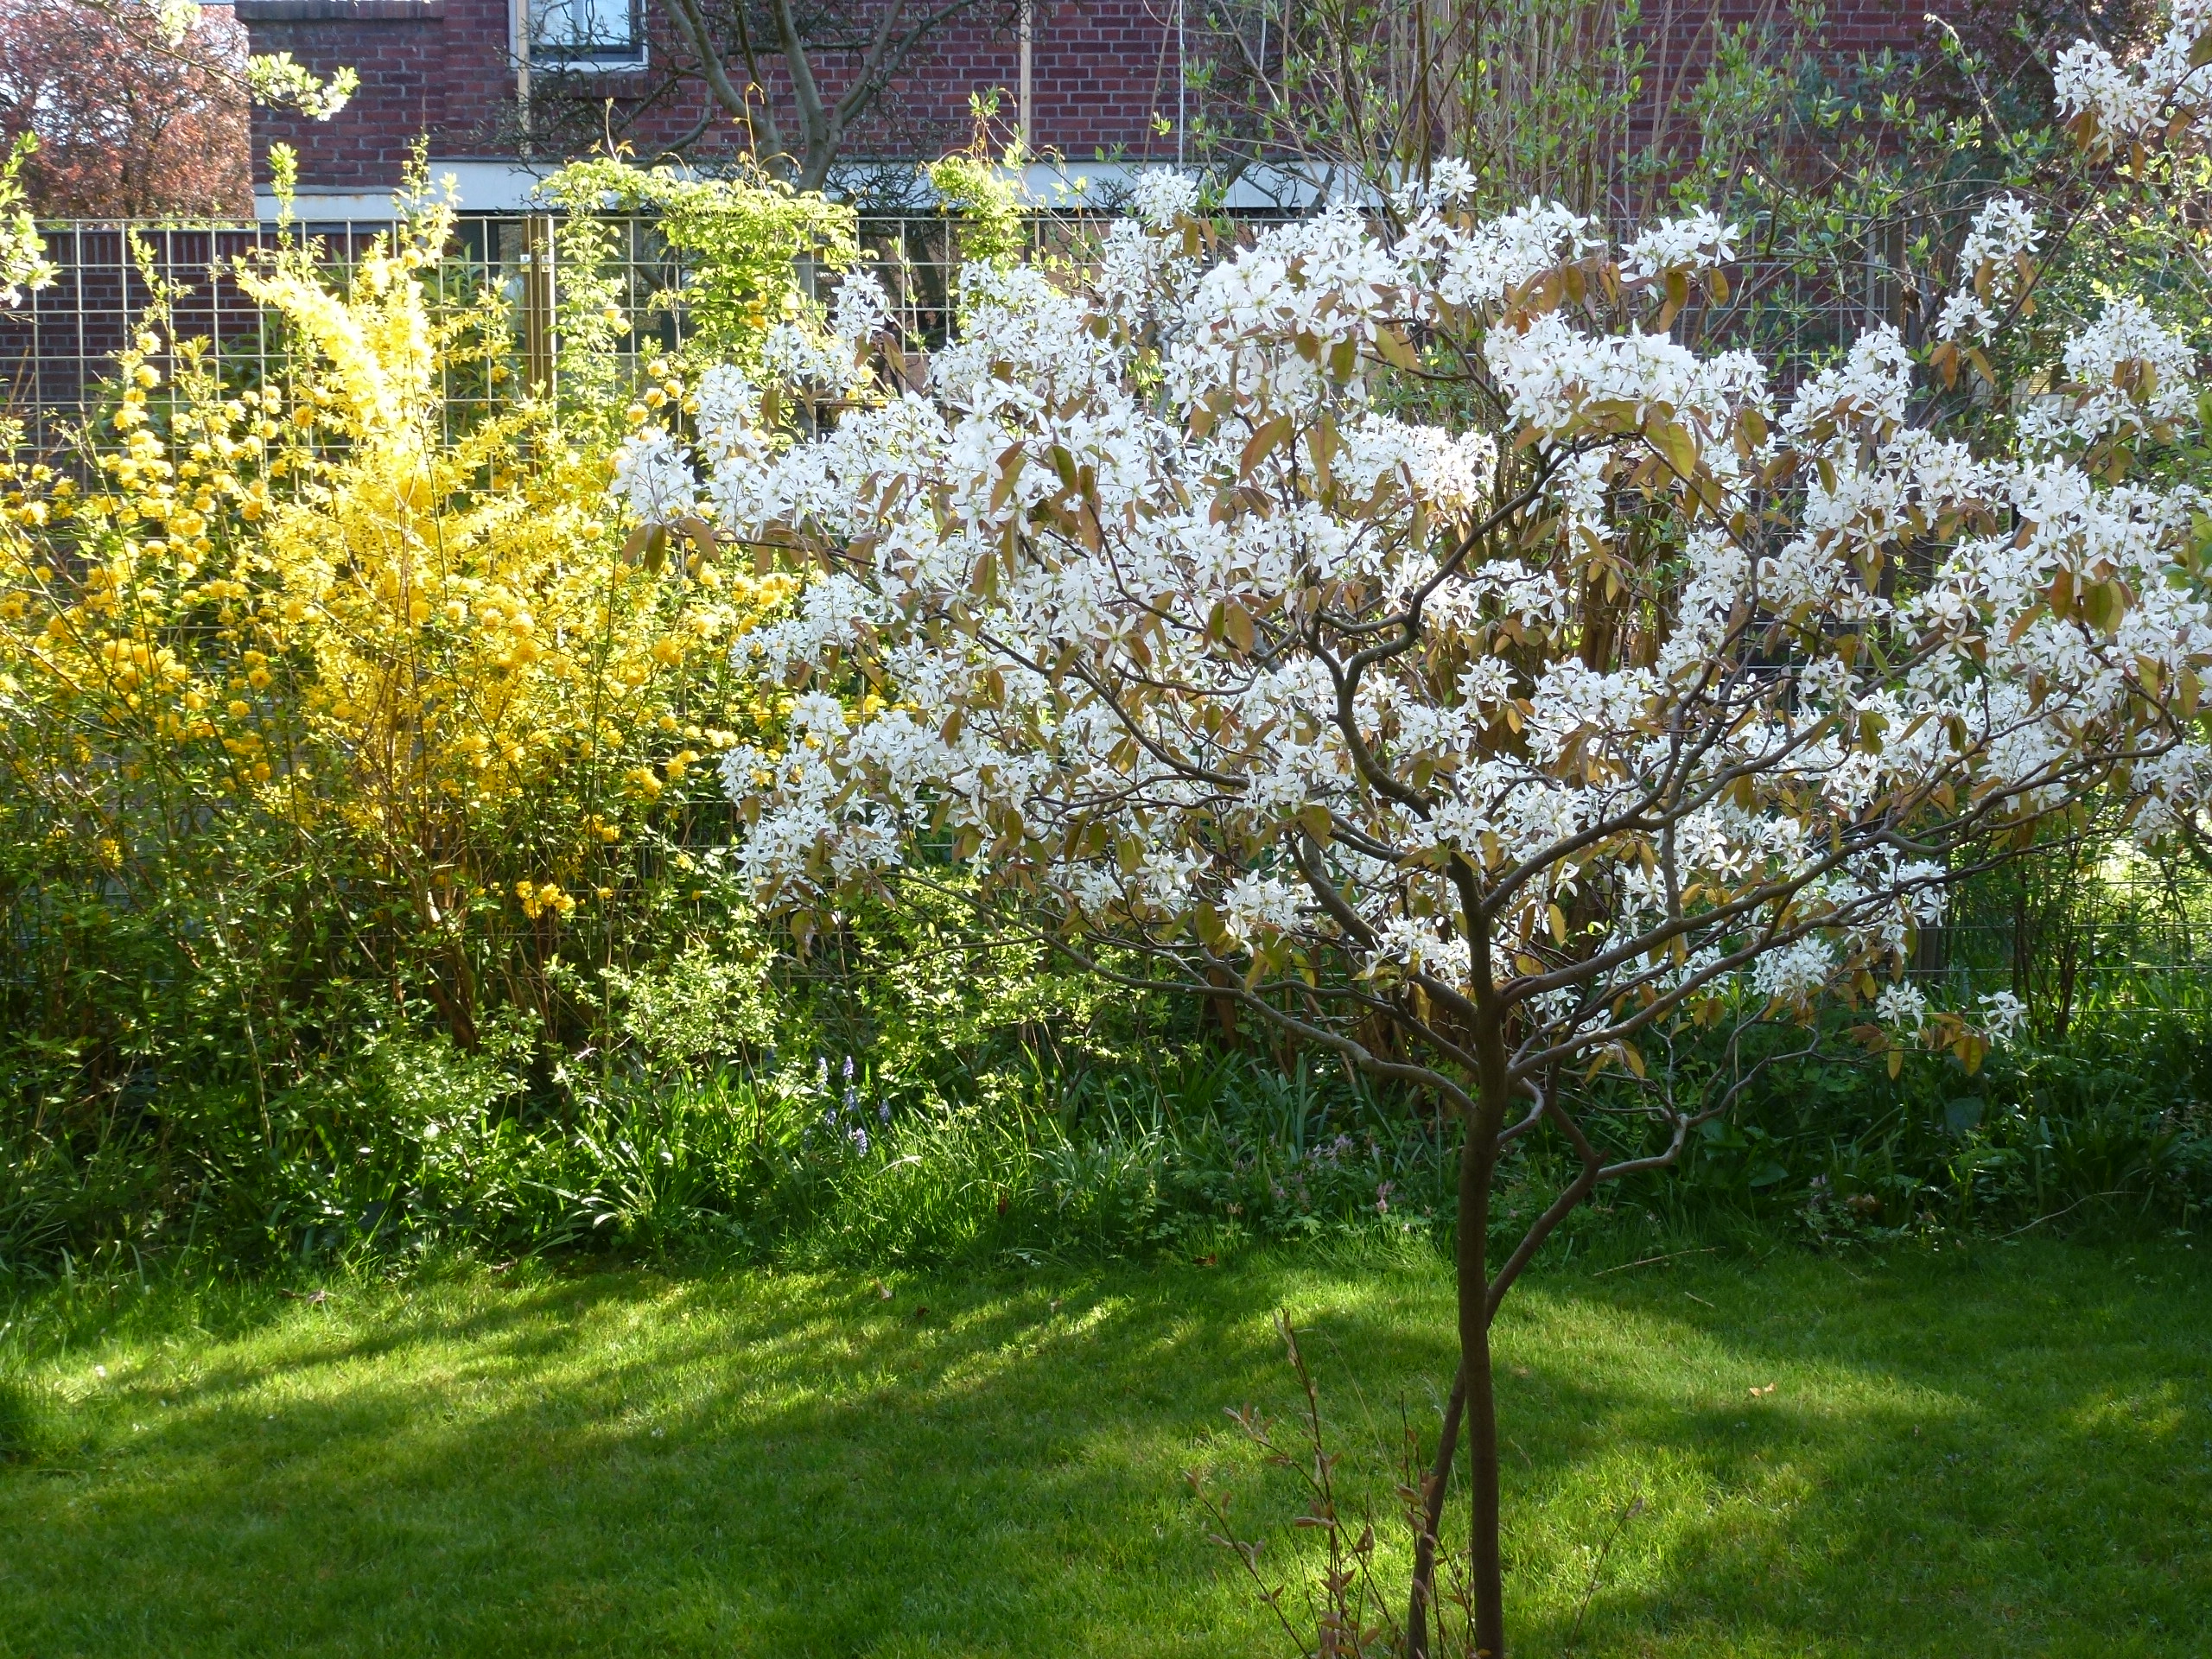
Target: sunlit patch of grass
[[1998, 1451]]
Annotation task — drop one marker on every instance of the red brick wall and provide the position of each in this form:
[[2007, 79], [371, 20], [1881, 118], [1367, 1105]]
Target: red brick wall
[[408, 54], [1103, 69], [441, 67], [1869, 26]]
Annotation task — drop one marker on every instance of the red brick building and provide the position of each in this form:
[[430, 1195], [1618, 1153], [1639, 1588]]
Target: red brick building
[[1107, 90]]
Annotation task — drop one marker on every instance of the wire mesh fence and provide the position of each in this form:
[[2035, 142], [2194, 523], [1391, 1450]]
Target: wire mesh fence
[[2075, 924], [57, 349]]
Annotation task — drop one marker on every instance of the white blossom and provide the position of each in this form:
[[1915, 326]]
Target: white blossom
[[861, 308], [1901, 1005], [2131, 370], [1173, 635], [653, 478], [2003, 230], [1698, 243], [2132, 102], [1449, 182], [729, 412], [1256, 904], [1160, 196], [2004, 1016]]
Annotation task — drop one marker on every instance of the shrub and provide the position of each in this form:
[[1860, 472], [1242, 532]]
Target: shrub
[[321, 725]]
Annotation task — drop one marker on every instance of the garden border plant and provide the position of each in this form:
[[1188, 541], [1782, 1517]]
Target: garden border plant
[[1560, 772]]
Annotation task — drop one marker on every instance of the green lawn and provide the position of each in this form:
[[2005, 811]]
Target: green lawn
[[2000, 1450]]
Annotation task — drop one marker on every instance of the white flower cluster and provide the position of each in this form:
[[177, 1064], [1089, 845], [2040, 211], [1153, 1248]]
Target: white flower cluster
[[1552, 372], [1901, 1005], [1459, 268], [729, 412], [1160, 197], [1176, 631], [861, 308], [2004, 1015], [2003, 232], [2132, 103], [653, 478], [1253, 905], [1698, 243], [1449, 182], [801, 358], [1858, 401], [2129, 373]]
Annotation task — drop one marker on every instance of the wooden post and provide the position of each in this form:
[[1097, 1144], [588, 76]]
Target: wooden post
[[1027, 75], [537, 303], [522, 76]]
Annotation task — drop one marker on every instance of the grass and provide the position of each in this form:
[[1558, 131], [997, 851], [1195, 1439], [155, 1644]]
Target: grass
[[1991, 1449]]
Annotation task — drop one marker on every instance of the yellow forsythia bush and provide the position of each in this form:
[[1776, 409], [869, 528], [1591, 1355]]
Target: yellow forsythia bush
[[306, 701]]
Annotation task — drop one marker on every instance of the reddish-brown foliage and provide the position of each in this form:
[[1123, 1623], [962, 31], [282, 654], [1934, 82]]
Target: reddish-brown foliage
[[127, 126]]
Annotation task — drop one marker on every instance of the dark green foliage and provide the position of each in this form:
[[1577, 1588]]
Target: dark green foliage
[[418, 1148], [901, 1094], [2114, 1117]]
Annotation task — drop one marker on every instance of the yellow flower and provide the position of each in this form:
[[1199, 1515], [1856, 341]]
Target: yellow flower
[[236, 709]]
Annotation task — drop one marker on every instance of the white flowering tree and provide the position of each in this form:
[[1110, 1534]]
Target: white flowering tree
[[1559, 765]]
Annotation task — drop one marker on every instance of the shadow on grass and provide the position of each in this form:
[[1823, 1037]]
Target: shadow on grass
[[2001, 1453], [1949, 1462], [21, 1422]]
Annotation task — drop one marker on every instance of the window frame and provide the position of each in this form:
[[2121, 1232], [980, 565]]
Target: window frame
[[548, 57]]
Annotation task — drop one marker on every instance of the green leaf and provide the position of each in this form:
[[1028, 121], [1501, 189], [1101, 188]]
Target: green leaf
[[1674, 442]]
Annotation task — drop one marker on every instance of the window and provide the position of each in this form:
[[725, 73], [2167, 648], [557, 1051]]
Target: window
[[584, 34]]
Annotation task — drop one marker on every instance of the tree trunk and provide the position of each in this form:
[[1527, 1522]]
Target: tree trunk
[[1485, 1562], [1477, 1165]]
